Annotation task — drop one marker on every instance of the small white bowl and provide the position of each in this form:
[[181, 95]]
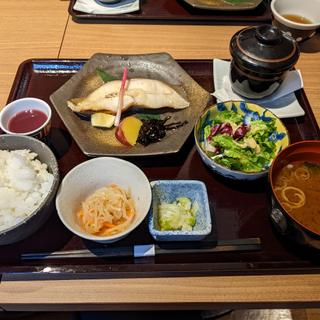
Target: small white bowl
[[309, 9], [96, 173], [24, 104]]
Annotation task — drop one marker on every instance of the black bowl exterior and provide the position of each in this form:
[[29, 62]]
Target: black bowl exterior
[[290, 229], [32, 223], [252, 85], [261, 56]]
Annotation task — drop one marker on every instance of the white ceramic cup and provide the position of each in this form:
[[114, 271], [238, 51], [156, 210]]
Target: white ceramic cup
[[309, 9], [24, 104]]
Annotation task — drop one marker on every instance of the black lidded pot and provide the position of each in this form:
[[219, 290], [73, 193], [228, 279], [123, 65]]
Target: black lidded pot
[[261, 57]]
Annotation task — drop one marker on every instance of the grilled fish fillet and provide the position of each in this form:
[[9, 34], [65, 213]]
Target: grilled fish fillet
[[144, 93]]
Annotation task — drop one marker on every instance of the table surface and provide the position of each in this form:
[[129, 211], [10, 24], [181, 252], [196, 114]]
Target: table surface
[[43, 29]]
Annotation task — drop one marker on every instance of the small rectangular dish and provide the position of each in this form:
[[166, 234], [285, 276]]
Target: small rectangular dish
[[167, 191]]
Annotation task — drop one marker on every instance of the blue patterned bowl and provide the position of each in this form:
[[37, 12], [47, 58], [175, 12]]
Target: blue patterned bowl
[[248, 111], [168, 191]]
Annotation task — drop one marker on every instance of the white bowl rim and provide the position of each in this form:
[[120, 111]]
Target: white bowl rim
[[9, 105], [116, 236], [290, 23]]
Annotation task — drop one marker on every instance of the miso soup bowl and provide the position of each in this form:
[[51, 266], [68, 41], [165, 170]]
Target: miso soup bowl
[[283, 221], [24, 104]]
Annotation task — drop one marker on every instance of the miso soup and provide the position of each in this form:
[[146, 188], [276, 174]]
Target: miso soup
[[297, 188]]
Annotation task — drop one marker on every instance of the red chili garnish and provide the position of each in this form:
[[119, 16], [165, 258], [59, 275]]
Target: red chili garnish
[[241, 131]]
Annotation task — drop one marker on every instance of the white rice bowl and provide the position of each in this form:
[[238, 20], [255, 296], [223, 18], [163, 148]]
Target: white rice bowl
[[44, 159], [24, 184]]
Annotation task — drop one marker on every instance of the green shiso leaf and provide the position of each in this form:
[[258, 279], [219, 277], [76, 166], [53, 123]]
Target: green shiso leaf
[[147, 116], [105, 76]]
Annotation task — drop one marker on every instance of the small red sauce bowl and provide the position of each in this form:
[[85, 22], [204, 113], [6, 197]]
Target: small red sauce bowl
[[30, 108]]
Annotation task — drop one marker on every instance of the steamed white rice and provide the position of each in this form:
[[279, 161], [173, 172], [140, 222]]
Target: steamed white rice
[[24, 183]]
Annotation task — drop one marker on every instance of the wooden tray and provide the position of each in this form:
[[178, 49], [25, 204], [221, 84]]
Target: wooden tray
[[177, 12], [240, 210]]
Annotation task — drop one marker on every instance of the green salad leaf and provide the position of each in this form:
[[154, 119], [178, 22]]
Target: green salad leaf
[[228, 116], [250, 153], [206, 131]]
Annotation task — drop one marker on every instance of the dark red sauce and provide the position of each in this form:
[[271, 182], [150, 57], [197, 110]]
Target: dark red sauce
[[27, 120]]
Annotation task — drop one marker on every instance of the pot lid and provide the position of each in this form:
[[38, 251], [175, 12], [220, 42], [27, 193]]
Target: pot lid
[[264, 49]]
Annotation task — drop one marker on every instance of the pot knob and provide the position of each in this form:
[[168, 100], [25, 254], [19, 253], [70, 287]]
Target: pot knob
[[268, 35]]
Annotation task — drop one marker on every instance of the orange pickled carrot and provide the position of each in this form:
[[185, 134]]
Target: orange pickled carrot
[[109, 225]]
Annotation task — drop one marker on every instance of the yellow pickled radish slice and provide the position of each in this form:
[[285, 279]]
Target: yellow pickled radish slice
[[102, 120]]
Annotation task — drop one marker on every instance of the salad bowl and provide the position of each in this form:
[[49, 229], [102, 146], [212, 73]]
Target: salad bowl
[[239, 140]]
